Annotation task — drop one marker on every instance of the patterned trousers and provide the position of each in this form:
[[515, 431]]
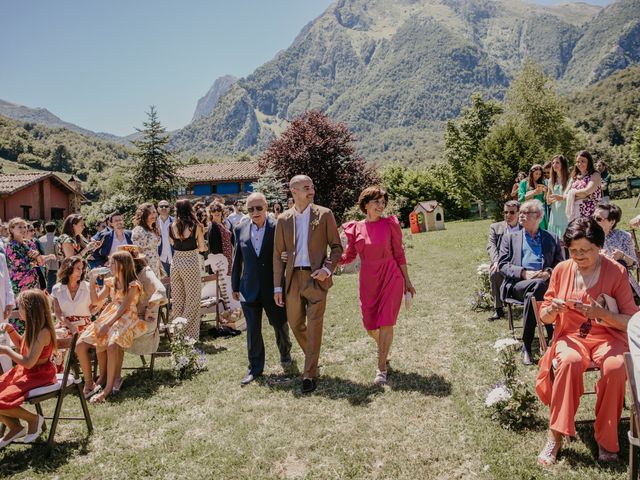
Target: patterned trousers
[[186, 286]]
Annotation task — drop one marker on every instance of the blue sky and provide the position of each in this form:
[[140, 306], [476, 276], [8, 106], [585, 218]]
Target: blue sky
[[101, 64]]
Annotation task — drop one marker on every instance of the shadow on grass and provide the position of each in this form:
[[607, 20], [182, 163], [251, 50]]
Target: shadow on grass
[[432, 385], [211, 349], [140, 384], [39, 457]]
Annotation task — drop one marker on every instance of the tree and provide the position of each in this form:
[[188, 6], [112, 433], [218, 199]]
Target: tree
[[463, 137], [532, 101], [635, 145], [61, 160], [272, 187], [508, 149], [154, 175], [313, 145]]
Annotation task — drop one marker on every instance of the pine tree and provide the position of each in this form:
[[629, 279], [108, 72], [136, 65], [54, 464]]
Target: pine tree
[[61, 160], [272, 187], [155, 173]]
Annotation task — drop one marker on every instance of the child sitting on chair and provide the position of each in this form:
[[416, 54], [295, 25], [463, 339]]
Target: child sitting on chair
[[115, 329], [34, 367]]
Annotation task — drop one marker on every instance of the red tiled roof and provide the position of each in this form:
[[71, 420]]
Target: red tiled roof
[[11, 183], [220, 172]]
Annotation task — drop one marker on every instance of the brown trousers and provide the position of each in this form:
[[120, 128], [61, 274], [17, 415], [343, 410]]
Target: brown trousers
[[305, 303]]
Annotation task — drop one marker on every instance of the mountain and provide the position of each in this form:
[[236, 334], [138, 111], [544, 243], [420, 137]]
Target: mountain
[[395, 70], [43, 116], [210, 100]]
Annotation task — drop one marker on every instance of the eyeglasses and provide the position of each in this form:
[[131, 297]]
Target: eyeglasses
[[259, 208], [510, 212], [526, 213], [579, 251]]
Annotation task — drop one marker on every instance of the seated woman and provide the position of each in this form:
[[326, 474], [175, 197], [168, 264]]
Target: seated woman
[[116, 327], [618, 244], [71, 303], [585, 331], [152, 296], [33, 369]]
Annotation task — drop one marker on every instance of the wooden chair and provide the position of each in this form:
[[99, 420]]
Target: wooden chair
[[634, 430], [67, 382], [636, 247], [512, 302]]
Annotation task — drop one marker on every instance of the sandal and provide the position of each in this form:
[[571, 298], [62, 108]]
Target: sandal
[[606, 456], [100, 398], [90, 393], [381, 377], [549, 453]]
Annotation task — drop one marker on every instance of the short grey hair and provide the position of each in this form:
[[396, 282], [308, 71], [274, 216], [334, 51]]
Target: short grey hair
[[534, 204], [513, 203], [256, 196]]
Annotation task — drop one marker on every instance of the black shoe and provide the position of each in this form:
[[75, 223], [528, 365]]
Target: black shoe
[[309, 385], [496, 316], [527, 358], [248, 379]]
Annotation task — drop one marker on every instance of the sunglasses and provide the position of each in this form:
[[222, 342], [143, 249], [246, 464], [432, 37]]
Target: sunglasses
[[163, 206], [259, 208], [510, 212]]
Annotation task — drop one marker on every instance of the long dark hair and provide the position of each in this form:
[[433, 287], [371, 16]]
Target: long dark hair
[[591, 169], [564, 171], [67, 266], [531, 184], [67, 228], [185, 217], [142, 214]]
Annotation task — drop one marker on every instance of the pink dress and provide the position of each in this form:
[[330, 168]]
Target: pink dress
[[379, 245]]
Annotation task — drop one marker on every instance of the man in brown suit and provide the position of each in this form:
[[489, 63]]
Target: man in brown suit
[[303, 277]]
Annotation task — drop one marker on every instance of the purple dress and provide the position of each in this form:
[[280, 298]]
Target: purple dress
[[587, 205], [379, 245]]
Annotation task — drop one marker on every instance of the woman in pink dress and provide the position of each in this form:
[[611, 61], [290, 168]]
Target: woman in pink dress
[[384, 278]]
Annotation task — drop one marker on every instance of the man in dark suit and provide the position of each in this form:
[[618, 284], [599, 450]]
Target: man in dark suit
[[111, 240], [527, 258], [252, 284], [496, 232]]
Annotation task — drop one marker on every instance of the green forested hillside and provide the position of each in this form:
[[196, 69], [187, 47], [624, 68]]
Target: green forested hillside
[[46, 148]]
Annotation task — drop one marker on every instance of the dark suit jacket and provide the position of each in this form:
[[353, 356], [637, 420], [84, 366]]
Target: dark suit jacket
[[101, 255], [496, 232], [252, 275], [510, 261]]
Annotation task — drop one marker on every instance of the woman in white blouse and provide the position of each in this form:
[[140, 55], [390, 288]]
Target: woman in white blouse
[[71, 302]]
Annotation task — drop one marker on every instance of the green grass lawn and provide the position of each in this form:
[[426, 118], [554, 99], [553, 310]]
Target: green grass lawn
[[430, 422]]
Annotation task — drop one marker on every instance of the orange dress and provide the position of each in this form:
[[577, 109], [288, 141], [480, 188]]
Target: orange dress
[[19, 381], [572, 354], [128, 327]]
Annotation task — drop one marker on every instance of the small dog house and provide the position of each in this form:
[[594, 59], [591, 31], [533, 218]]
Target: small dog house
[[427, 217]]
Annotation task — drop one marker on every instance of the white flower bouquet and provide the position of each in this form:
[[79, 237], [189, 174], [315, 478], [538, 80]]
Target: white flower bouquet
[[187, 360]]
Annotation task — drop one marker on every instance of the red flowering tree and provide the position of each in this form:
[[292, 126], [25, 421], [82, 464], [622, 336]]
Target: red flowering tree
[[315, 146]]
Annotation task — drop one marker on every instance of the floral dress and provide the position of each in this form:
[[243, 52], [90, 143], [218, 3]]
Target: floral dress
[[587, 205], [123, 332], [621, 240], [22, 272], [149, 241]]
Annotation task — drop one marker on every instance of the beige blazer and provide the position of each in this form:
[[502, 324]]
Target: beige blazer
[[323, 236]]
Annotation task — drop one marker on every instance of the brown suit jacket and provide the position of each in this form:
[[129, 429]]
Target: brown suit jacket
[[323, 234]]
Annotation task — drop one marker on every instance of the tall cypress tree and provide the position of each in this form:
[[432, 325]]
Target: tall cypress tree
[[154, 175]]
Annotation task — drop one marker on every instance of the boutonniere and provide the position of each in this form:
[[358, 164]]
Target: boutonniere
[[314, 223]]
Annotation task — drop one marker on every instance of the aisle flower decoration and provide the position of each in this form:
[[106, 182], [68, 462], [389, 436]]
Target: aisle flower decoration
[[511, 401], [187, 360], [482, 298]]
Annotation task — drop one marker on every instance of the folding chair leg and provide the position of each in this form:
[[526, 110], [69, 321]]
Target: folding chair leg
[[54, 420], [510, 319], [85, 408], [152, 363], [143, 360]]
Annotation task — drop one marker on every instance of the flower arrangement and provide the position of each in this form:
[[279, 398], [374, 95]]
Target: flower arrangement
[[187, 360], [511, 401], [482, 298]]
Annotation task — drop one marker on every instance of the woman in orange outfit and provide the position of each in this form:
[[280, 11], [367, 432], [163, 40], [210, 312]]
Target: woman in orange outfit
[[585, 332]]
